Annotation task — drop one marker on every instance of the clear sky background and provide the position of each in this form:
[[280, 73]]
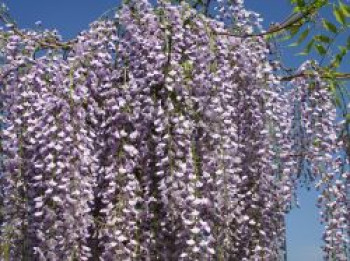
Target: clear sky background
[[70, 17]]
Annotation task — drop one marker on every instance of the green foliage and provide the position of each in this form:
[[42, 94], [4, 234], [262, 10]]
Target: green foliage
[[339, 15], [329, 26], [335, 63], [327, 42], [301, 38], [345, 8], [323, 38], [308, 47], [321, 49]]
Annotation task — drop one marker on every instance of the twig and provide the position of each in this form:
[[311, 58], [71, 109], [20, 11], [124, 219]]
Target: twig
[[338, 76], [292, 20], [105, 14], [49, 43]]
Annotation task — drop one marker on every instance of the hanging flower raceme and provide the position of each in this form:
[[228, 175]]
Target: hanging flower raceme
[[319, 154], [53, 185], [154, 138]]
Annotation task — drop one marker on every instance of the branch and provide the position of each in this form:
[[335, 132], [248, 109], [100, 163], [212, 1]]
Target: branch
[[49, 43], [290, 21], [105, 14], [337, 76]]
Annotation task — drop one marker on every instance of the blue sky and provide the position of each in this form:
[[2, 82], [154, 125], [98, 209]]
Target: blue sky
[[69, 17]]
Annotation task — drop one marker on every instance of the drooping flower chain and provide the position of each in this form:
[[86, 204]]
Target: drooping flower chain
[[157, 139]]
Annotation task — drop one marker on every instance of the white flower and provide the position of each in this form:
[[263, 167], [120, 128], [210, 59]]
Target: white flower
[[56, 199], [195, 230], [190, 242], [121, 238], [38, 214], [130, 149], [237, 160]]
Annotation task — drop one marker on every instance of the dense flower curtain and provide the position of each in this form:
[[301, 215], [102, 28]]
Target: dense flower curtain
[[155, 137]]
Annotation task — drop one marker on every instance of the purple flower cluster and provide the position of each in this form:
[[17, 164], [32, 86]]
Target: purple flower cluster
[[314, 131], [155, 138]]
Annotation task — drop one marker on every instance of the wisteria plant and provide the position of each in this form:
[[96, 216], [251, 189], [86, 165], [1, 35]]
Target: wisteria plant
[[156, 135]]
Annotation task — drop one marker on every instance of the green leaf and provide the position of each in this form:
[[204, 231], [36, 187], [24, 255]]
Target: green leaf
[[295, 29], [336, 62], [323, 38], [337, 101], [308, 48], [332, 85], [348, 117], [302, 53], [345, 8], [300, 3], [285, 38], [321, 49], [339, 15], [302, 37], [320, 3], [329, 26], [339, 57], [343, 50], [348, 43]]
